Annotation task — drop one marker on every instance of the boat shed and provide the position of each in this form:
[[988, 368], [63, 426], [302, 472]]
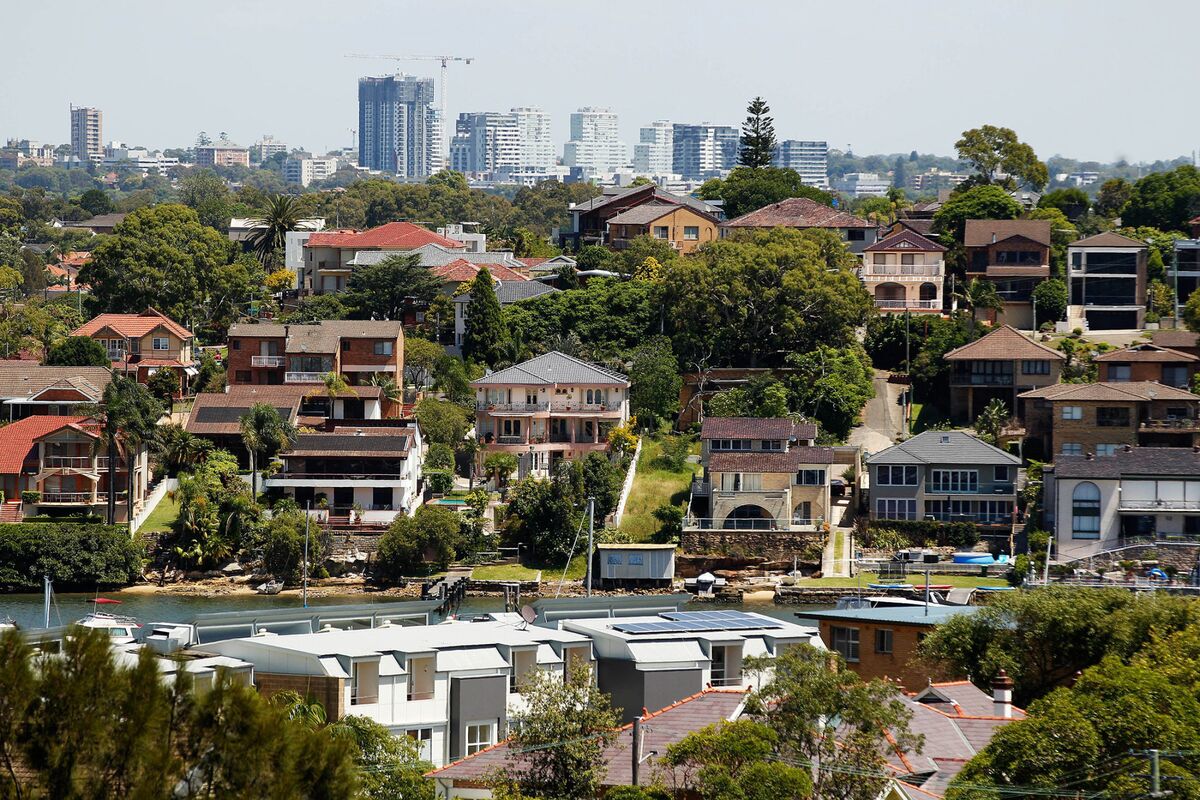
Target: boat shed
[[623, 565]]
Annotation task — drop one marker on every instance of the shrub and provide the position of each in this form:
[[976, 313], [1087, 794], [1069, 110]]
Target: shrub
[[73, 555], [30, 496], [418, 545], [440, 456], [887, 539], [670, 520], [674, 451], [440, 481], [918, 531], [283, 546]]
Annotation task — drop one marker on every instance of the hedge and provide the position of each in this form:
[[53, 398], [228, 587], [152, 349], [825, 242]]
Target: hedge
[[920, 531], [74, 556]]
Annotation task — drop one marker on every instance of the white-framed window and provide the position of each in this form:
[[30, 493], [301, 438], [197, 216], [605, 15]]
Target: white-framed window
[[955, 480], [736, 445], [662, 232], [424, 739], [480, 735], [895, 508], [1085, 511], [1106, 449], [845, 642], [161, 343], [691, 232], [1072, 449], [384, 348], [1072, 412], [897, 475]]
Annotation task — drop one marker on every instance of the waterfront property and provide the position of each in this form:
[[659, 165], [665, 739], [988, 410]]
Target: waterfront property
[[1148, 362], [754, 434], [139, 345], [1107, 274], [948, 476], [548, 408], [634, 565], [1013, 254], [802, 213], [905, 272], [30, 389], [1003, 364], [1095, 502], [273, 353]]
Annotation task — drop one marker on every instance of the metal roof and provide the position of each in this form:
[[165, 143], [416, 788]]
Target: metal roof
[[910, 615], [943, 447], [514, 291], [470, 658]]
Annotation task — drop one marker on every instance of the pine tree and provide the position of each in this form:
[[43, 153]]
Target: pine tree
[[485, 325], [758, 135]]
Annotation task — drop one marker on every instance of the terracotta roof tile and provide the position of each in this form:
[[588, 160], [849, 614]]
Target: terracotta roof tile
[[18, 438], [1146, 353], [1121, 391], [392, 236], [798, 212], [1176, 339], [756, 428], [906, 240], [983, 232], [759, 461], [1006, 343], [463, 270], [132, 326]]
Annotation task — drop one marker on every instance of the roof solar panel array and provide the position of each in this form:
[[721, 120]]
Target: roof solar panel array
[[699, 622]]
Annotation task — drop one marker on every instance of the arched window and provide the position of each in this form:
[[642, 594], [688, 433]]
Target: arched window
[[928, 291], [1085, 511]]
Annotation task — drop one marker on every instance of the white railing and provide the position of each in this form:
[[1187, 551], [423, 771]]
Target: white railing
[[510, 440], [76, 462], [303, 377], [569, 405], [931, 304], [266, 361], [512, 407], [1160, 505], [72, 497], [914, 270]]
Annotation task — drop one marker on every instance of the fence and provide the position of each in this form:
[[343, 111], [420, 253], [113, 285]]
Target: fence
[[627, 487]]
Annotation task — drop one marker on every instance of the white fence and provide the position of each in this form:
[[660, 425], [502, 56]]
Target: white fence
[[152, 500], [628, 486]]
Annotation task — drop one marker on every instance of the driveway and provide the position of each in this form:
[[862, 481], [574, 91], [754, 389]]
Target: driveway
[[882, 417]]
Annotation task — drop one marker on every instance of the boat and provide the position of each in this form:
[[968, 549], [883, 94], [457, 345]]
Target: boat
[[121, 630], [907, 587], [994, 589], [854, 601], [270, 587]]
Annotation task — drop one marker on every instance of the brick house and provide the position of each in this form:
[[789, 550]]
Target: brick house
[[589, 220], [327, 254], [141, 344], [1002, 364], [1101, 418], [802, 213], [1148, 362], [681, 226], [1178, 340], [905, 272], [272, 353], [1014, 254]]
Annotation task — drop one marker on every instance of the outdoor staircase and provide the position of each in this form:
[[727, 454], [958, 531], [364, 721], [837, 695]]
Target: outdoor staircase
[[10, 511]]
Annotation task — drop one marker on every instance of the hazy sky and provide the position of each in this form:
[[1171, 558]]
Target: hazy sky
[[1098, 79]]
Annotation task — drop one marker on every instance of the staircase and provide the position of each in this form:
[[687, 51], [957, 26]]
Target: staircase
[[10, 511]]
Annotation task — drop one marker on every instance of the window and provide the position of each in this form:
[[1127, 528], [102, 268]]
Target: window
[[614, 559], [345, 345], [161, 343], [1118, 372], [730, 444], [364, 682], [907, 259], [810, 477], [480, 736], [845, 642], [1177, 412], [235, 344], [662, 232], [1035, 367], [856, 235], [636, 560], [510, 427], [243, 376], [883, 641], [1072, 412], [424, 739], [741, 482], [1106, 449], [955, 480], [897, 476], [1001, 474], [772, 444], [1112, 417], [895, 508], [691, 232], [384, 348], [1072, 449], [1085, 511], [1175, 376]]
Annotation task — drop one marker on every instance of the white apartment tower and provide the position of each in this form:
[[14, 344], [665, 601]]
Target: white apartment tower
[[537, 145], [653, 153], [485, 142], [594, 145], [810, 159], [87, 134]]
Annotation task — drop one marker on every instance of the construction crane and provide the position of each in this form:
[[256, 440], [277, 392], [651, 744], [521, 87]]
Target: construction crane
[[445, 123]]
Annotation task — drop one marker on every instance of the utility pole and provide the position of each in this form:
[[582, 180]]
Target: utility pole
[[307, 517], [591, 533]]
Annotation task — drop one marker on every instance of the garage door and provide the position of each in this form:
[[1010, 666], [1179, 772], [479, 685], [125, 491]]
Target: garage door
[[1111, 320]]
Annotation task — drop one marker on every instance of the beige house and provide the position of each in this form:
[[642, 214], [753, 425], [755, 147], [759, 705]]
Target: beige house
[[139, 345], [682, 227], [905, 272]]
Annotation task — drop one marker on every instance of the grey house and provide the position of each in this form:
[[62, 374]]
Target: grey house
[[947, 476]]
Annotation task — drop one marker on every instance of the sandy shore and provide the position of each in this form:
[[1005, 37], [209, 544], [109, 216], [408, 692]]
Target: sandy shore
[[227, 587]]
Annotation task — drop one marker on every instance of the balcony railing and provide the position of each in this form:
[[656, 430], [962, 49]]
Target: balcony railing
[[420, 695], [913, 270], [303, 377], [77, 497], [748, 494], [926, 304], [266, 361], [1169, 425], [116, 355], [1159, 505], [749, 524], [978, 519], [338, 476], [76, 462], [510, 440], [701, 488], [568, 405], [979, 488], [514, 408], [976, 379]]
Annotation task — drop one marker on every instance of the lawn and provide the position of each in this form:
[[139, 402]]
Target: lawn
[[505, 572], [839, 547], [925, 416], [163, 517], [654, 486], [957, 581]]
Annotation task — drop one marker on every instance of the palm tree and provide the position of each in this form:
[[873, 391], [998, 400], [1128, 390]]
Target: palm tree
[[128, 418], [281, 216], [178, 449], [333, 386], [264, 431], [388, 389], [977, 294]]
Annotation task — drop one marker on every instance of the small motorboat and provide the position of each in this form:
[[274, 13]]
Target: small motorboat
[[270, 587], [121, 630], [900, 587], [995, 589]]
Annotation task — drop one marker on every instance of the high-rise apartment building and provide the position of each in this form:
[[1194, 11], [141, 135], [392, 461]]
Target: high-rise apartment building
[[654, 153], [700, 152], [266, 147], [485, 142], [306, 170], [537, 145], [810, 159], [87, 134], [595, 146], [397, 126]]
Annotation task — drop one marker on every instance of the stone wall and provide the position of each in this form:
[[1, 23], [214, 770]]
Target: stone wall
[[770, 545]]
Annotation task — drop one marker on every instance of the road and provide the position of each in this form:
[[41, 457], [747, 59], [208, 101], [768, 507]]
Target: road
[[882, 417]]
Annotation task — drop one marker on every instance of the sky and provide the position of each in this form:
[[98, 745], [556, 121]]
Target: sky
[[1089, 79]]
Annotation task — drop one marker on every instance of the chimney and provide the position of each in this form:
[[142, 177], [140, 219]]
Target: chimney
[[1002, 688]]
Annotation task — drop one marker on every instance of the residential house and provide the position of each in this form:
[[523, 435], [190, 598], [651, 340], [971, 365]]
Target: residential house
[[1093, 502], [1003, 364], [802, 213], [589, 220], [753, 434], [948, 476], [327, 254], [452, 688], [1180, 341], [30, 389], [274, 353], [682, 227], [507, 293], [216, 415], [1078, 418], [1183, 273], [905, 272], [551, 407], [58, 462], [882, 642], [1107, 276], [63, 276], [922, 226], [1148, 362], [141, 344], [101, 223], [365, 474], [1013, 254]]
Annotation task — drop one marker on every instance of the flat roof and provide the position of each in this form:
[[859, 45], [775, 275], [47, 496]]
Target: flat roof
[[910, 615]]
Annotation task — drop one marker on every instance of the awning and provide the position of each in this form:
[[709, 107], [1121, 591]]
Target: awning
[[471, 658], [332, 667], [652, 655], [546, 655], [388, 665], [191, 372]]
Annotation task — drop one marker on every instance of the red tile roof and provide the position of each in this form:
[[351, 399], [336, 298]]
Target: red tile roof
[[906, 240], [75, 258], [132, 326], [18, 438], [798, 212], [1145, 352], [533, 262], [463, 270], [756, 428], [1006, 343], [392, 236]]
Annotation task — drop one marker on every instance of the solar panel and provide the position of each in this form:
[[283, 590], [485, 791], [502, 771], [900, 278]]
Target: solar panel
[[698, 622]]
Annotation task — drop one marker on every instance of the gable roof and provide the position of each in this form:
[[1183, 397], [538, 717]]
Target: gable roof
[[923, 227], [1140, 461], [1108, 239], [17, 438], [433, 255], [218, 413], [1006, 343], [1176, 339], [653, 193], [20, 379], [769, 461], [390, 236], [461, 270], [132, 326], [649, 212], [983, 232], [514, 291], [798, 212], [1145, 352], [551, 369], [1120, 391], [943, 447], [756, 428], [906, 240]]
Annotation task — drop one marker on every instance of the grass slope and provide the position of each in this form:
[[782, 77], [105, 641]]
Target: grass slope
[[654, 486]]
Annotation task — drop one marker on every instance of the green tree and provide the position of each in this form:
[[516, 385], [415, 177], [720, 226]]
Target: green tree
[[442, 421], [164, 385], [1114, 194], [543, 517], [78, 351], [1164, 200], [178, 449], [387, 289], [452, 377], [640, 248], [1050, 297], [96, 201], [998, 156], [279, 217], [977, 202], [748, 189], [315, 308], [500, 466], [991, 421], [593, 257], [654, 375], [734, 761], [264, 433], [389, 766], [527, 244], [205, 192], [976, 295], [283, 545], [420, 358], [1072, 202], [485, 331], [830, 385], [439, 456], [129, 415], [758, 136], [423, 543]]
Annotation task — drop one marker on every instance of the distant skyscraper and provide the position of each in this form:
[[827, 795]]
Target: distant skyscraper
[[485, 141], [87, 134], [704, 151], [594, 145], [654, 153], [397, 126], [810, 159], [537, 145]]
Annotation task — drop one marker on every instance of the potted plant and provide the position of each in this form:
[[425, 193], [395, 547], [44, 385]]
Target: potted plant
[[358, 513], [322, 507]]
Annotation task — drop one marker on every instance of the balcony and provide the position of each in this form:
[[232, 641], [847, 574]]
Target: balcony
[[981, 488], [267, 361], [115, 355], [76, 498], [978, 519], [1170, 425], [701, 488], [981, 379], [1159, 504], [577, 407], [750, 524], [512, 408], [904, 271], [926, 305], [303, 377], [77, 462]]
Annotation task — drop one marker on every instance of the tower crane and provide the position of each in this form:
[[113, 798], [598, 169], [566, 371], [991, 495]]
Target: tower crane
[[444, 123]]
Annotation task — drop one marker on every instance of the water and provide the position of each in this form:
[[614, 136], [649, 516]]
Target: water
[[26, 609]]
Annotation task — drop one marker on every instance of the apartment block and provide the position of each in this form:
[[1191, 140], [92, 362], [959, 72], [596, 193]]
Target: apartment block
[[398, 129], [654, 153], [306, 170], [595, 146], [87, 135], [704, 151], [809, 159], [222, 154]]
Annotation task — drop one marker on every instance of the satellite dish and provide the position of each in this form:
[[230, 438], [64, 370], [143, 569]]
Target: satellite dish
[[528, 614]]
